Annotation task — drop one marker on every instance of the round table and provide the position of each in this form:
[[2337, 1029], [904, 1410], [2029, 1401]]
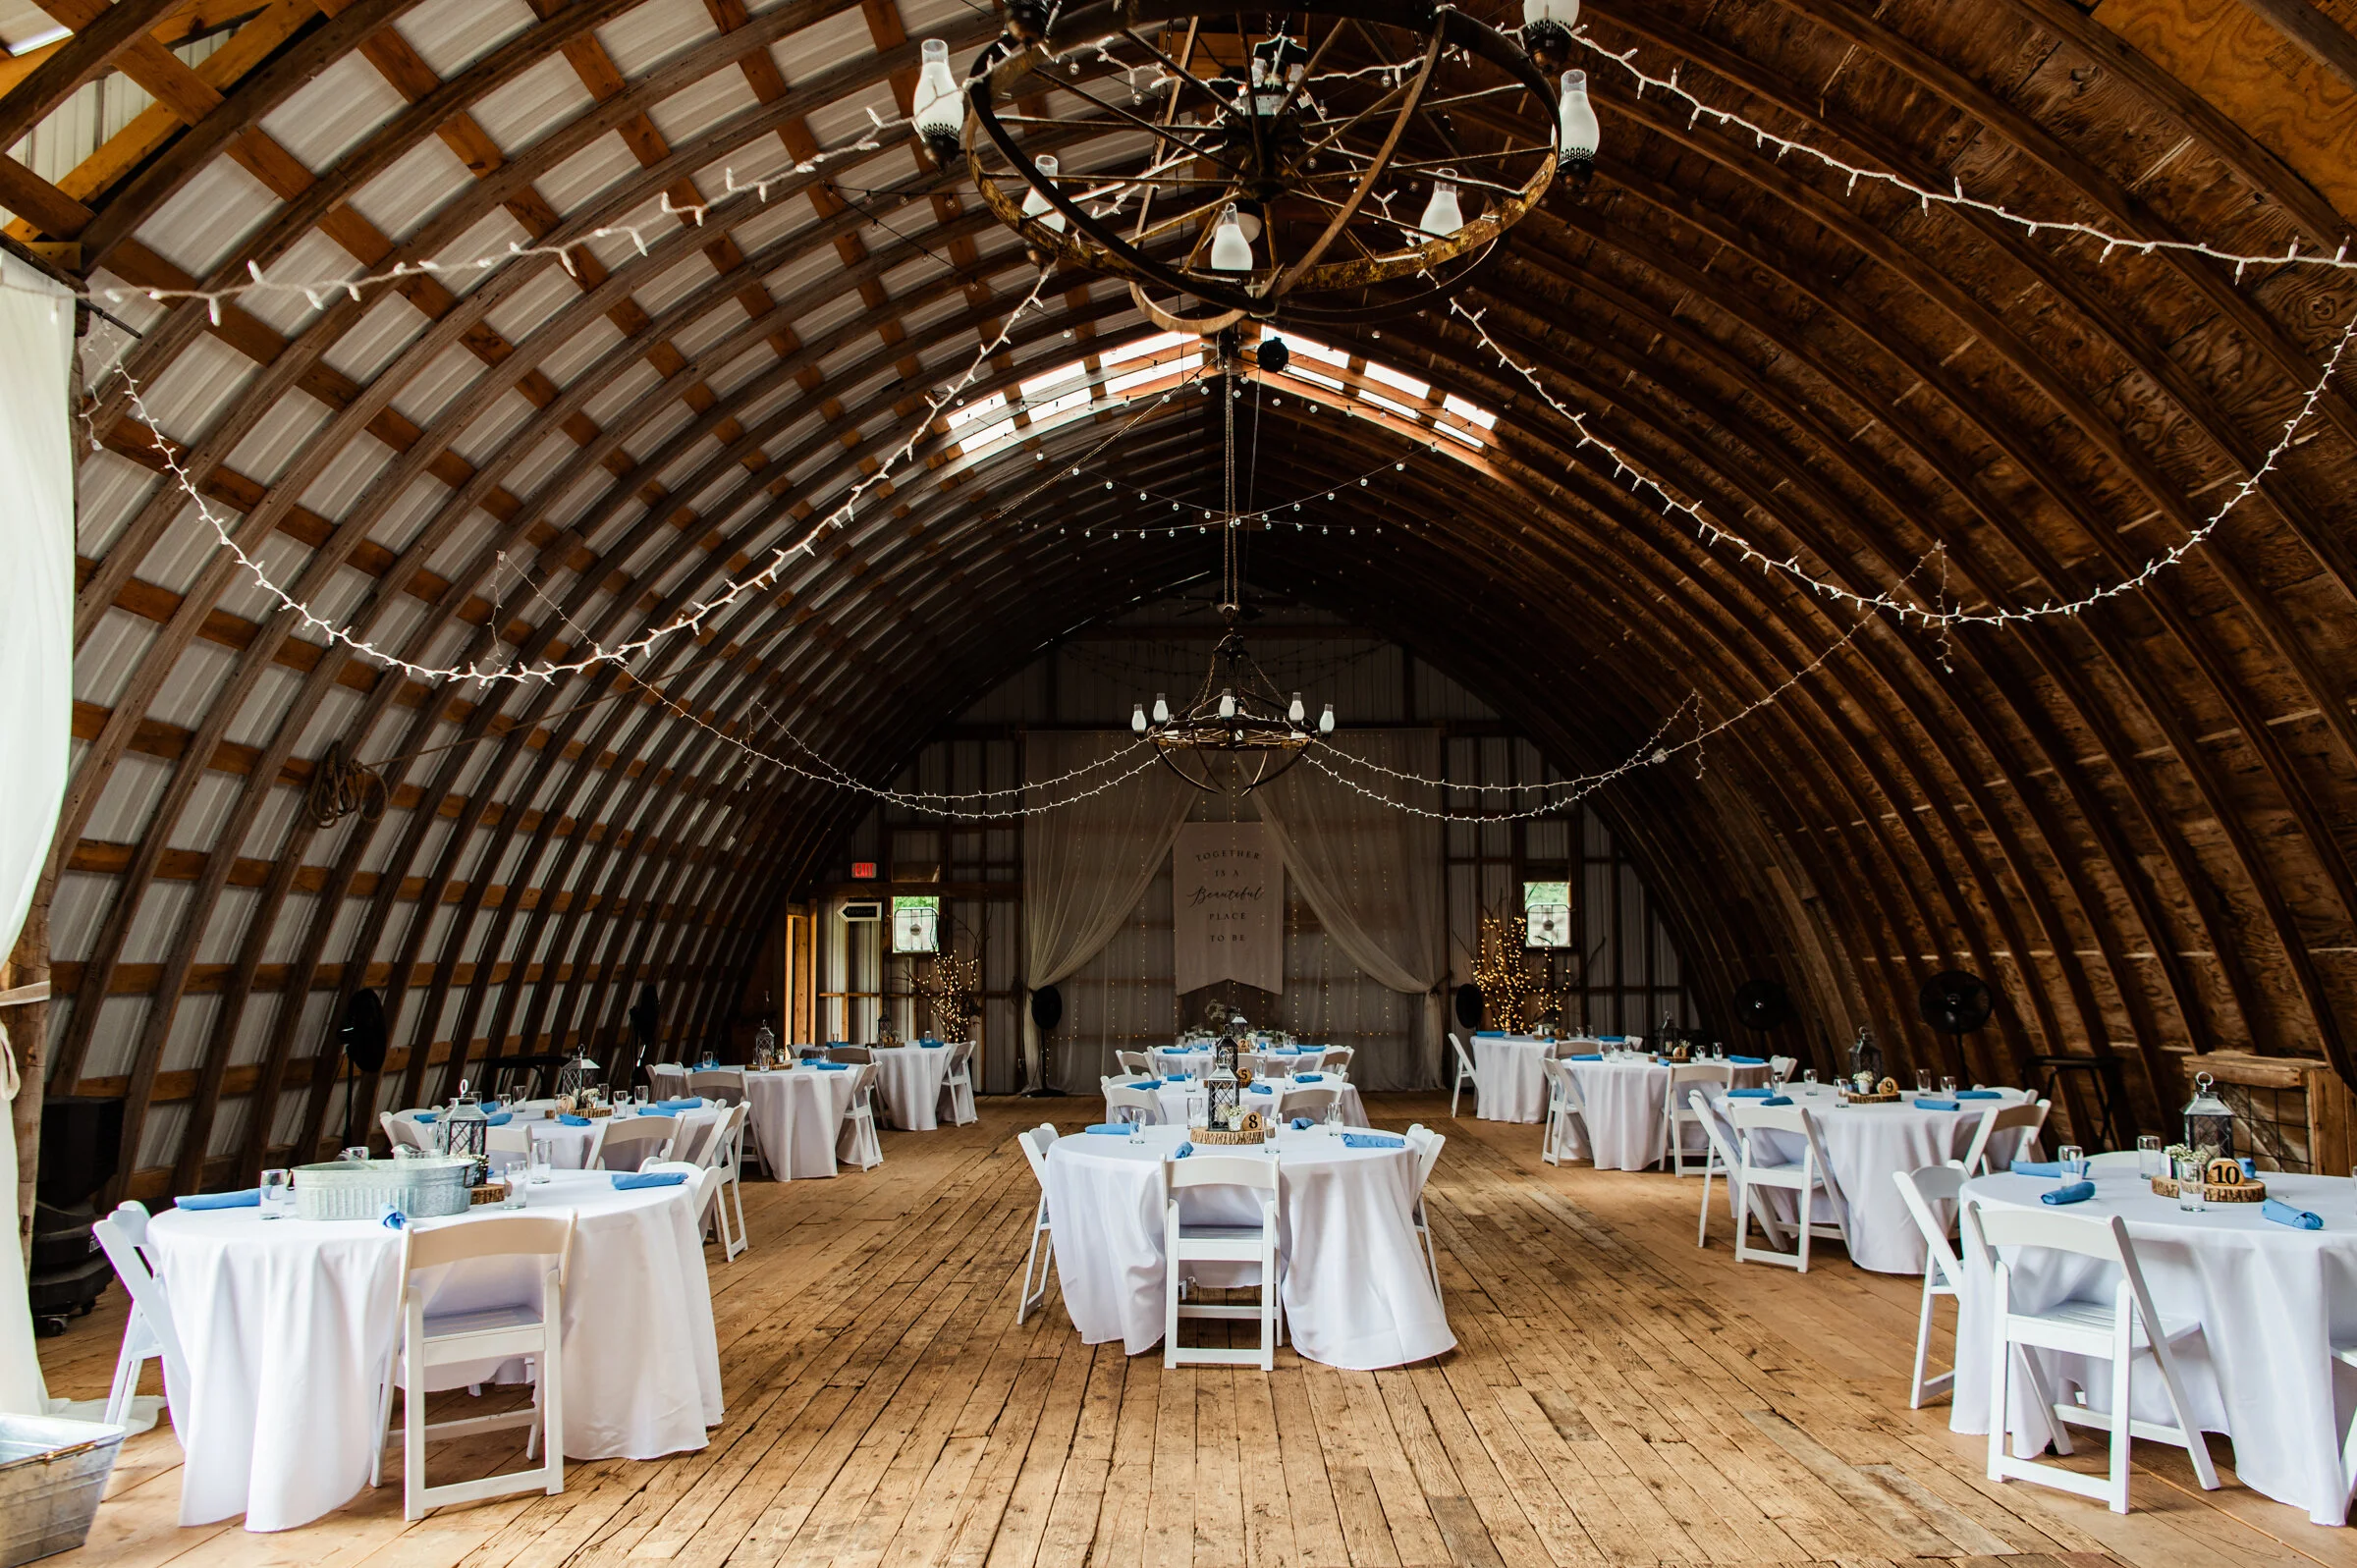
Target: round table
[[1626, 1104], [1865, 1144], [1358, 1290], [798, 1116], [2272, 1302], [909, 1079], [1195, 1061], [1171, 1095], [1507, 1085], [289, 1326]]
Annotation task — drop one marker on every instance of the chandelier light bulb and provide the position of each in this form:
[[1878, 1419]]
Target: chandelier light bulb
[[1546, 30], [1442, 215], [1227, 703], [1325, 720], [1230, 251], [1576, 120], [1137, 719], [936, 109], [1037, 204], [1161, 710], [1296, 712]]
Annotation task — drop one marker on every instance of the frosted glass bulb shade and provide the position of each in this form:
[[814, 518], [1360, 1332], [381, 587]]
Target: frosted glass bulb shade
[[1227, 704], [1564, 14], [1230, 251], [1325, 720], [1247, 218], [1442, 215], [1161, 710], [935, 108], [1037, 205], [1137, 719], [1296, 712], [1576, 120]]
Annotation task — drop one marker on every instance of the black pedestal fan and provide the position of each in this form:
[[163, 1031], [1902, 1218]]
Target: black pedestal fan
[[361, 1034], [1763, 1005], [1956, 1002], [1047, 1012]]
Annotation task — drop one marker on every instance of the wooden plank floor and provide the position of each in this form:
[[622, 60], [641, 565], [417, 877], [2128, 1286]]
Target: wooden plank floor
[[1617, 1397]]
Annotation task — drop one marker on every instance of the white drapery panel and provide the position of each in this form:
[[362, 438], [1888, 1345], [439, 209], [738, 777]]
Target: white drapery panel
[[1371, 870], [1086, 864], [37, 651]]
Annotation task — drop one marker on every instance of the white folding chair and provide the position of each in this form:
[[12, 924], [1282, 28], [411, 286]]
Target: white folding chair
[[670, 1079], [2030, 1118], [147, 1333], [1313, 1101], [1336, 1059], [1670, 1151], [1809, 1179], [1130, 1104], [856, 1056], [402, 1130], [632, 1141], [1781, 1068], [1185, 1242], [2347, 1355], [1722, 1159], [1134, 1061], [1563, 1102], [2117, 1331], [725, 1154], [724, 1084], [958, 1085], [1943, 1271], [1428, 1145], [1036, 1142], [703, 1184], [1464, 1075], [534, 1329], [858, 1142]]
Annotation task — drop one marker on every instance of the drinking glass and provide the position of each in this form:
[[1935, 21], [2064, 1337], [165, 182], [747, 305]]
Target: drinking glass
[[542, 1161], [1808, 1075], [2148, 1155], [1947, 1086], [278, 1194], [1923, 1081], [2074, 1163], [2189, 1185]]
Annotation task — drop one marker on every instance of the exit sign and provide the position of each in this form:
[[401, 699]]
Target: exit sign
[[863, 870]]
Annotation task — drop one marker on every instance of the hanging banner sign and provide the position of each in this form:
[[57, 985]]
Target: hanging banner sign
[[1228, 892]]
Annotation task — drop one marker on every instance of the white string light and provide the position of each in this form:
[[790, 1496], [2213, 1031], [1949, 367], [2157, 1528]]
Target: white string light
[[1717, 534]]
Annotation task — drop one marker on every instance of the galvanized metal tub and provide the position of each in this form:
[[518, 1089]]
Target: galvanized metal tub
[[52, 1474]]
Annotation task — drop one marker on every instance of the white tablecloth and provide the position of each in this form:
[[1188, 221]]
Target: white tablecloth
[[1357, 1291], [1507, 1084], [290, 1325], [909, 1079], [1173, 1097], [2272, 1301], [798, 1116], [1626, 1102], [1196, 1059], [1865, 1144]]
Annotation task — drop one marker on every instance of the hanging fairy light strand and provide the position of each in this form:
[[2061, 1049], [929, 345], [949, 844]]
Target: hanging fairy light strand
[[1718, 535]]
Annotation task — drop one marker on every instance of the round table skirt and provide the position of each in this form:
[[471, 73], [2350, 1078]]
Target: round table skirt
[[910, 1080], [1173, 1098], [2272, 1301], [1626, 1104], [797, 1117], [290, 1324], [1357, 1291], [1507, 1084]]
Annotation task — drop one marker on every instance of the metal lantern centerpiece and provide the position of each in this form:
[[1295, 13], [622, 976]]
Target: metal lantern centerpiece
[[467, 1134], [578, 1079], [2209, 1122], [1346, 162]]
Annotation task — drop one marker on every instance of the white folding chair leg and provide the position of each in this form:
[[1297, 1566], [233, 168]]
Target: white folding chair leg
[[1921, 1388], [1036, 1296]]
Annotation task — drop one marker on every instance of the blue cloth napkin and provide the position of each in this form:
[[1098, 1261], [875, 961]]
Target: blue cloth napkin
[[426, 1117], [1179, 1077], [1116, 1130], [1979, 1094], [1261, 1088], [2076, 1192], [932, 1044], [832, 1066], [630, 1181], [2284, 1214], [1750, 1094], [1309, 1077], [674, 1107], [1588, 1055], [1777, 1100], [1302, 1124], [2038, 1167], [1182, 1150], [1612, 1040], [1749, 1061], [1147, 1083], [1935, 1103], [501, 1119], [1372, 1139], [251, 1198], [397, 1220], [568, 1119]]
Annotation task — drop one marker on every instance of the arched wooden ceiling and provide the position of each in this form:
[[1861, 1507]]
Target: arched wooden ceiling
[[2135, 821]]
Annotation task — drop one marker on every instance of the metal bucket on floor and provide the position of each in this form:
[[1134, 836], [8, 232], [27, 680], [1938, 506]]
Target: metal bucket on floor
[[52, 1474]]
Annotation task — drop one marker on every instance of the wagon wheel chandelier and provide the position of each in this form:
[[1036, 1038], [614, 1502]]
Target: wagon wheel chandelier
[[1238, 732], [1345, 163]]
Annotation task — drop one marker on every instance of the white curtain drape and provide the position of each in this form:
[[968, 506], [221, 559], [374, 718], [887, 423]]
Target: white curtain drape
[[37, 650], [1371, 870], [1086, 864]]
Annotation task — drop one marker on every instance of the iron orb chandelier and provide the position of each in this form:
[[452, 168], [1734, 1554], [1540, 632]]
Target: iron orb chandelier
[[1348, 162], [1238, 732]]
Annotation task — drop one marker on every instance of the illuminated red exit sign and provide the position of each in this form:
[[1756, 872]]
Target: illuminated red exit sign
[[863, 870]]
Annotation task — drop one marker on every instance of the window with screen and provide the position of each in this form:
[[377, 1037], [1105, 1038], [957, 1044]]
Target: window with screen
[[1547, 915], [917, 923]]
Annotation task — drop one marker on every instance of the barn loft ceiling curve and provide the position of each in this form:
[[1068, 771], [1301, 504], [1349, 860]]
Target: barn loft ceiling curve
[[2134, 818]]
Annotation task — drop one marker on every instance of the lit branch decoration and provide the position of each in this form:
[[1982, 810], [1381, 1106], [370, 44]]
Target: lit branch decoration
[[952, 991], [1502, 969]]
